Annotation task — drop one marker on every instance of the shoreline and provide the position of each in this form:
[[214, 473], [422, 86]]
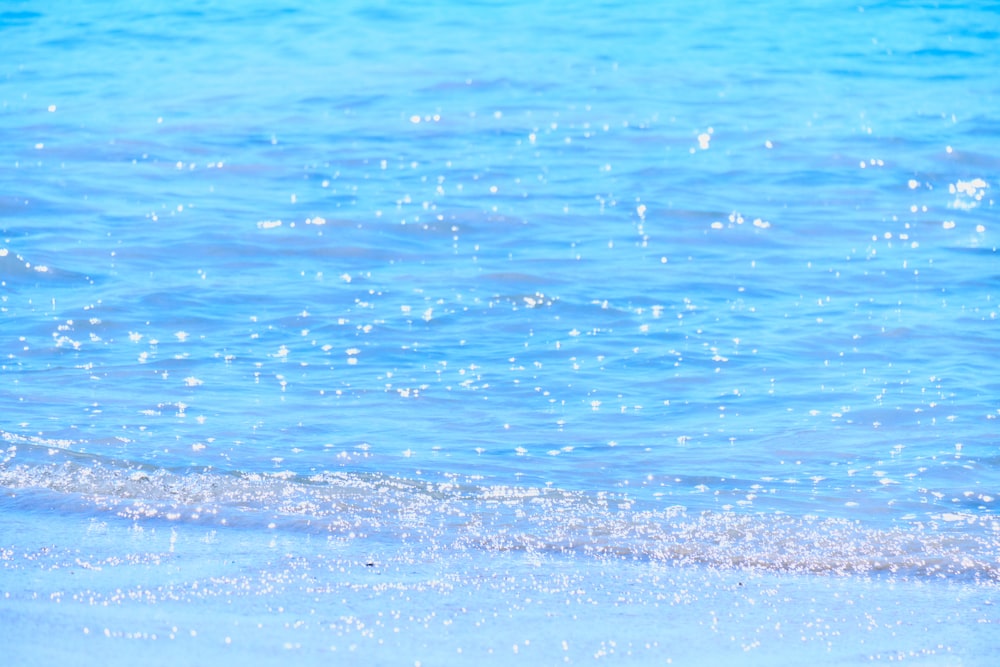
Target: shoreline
[[123, 594]]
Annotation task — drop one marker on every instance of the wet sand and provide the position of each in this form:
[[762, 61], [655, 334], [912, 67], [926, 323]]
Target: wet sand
[[117, 593]]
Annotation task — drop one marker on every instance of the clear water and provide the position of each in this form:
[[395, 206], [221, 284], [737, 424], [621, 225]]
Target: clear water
[[464, 296]]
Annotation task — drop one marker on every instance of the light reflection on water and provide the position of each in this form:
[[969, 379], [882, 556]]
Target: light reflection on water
[[687, 281]]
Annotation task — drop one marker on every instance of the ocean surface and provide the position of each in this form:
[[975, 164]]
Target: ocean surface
[[499, 333]]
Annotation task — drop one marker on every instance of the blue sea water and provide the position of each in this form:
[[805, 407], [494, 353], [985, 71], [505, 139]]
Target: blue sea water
[[392, 332]]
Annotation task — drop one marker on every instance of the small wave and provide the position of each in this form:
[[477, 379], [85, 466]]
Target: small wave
[[16, 270], [461, 515]]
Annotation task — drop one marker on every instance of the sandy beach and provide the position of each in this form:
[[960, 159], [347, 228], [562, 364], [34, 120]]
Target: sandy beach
[[186, 593]]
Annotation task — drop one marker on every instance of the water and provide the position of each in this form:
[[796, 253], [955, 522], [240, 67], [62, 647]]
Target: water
[[474, 315]]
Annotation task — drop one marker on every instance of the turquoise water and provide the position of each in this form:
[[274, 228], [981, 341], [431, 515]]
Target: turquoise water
[[314, 316]]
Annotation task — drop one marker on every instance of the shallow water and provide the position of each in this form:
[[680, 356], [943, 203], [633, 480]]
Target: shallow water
[[625, 292]]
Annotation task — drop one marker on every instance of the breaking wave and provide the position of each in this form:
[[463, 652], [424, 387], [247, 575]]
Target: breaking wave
[[455, 514]]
